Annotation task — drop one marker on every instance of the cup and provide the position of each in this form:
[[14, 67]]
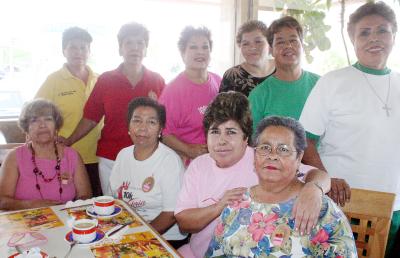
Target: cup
[[84, 230], [103, 205]]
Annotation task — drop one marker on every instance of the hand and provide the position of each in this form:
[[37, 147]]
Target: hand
[[340, 191], [62, 140], [195, 150], [307, 208], [230, 196]]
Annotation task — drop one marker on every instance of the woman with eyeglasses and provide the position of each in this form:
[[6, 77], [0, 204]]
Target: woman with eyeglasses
[[42, 172], [220, 177], [260, 223]]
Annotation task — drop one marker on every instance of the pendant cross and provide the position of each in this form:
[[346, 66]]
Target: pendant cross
[[386, 108]]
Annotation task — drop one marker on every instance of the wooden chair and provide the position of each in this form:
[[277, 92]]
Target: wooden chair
[[5, 148], [370, 214]]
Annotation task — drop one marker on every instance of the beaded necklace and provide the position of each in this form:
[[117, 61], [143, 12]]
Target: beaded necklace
[[38, 172]]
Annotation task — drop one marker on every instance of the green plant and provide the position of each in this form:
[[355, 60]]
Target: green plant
[[310, 15]]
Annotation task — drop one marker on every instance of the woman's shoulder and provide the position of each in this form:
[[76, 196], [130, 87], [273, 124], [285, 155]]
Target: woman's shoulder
[[125, 151]]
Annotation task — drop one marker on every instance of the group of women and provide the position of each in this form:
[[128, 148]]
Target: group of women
[[234, 200]]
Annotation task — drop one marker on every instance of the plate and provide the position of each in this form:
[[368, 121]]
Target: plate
[[91, 213], [99, 236]]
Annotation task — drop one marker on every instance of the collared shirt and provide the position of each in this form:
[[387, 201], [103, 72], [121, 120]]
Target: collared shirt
[[110, 98], [70, 94]]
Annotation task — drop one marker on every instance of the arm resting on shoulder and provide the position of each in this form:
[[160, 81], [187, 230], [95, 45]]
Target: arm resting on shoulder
[[340, 190], [189, 150], [81, 130]]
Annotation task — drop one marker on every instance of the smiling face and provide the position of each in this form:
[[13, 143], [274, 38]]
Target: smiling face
[[287, 48], [196, 55], [77, 52], [373, 40], [274, 168], [226, 143], [133, 49], [144, 127], [254, 47]]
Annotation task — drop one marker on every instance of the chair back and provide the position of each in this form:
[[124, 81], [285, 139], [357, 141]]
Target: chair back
[[370, 214], [6, 148]]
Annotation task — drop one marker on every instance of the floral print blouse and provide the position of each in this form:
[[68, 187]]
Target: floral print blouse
[[252, 229], [238, 79]]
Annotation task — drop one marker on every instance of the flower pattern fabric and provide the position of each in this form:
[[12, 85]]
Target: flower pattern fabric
[[252, 229], [238, 79]]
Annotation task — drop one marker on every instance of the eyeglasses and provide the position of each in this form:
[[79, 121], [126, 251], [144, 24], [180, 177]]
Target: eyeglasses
[[281, 150], [291, 42]]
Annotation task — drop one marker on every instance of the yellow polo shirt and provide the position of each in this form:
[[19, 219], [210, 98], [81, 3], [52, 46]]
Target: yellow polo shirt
[[70, 94]]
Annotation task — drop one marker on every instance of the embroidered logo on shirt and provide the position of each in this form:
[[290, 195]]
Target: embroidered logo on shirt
[[202, 109], [66, 93]]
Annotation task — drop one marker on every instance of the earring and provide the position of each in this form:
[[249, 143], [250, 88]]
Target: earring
[[129, 133]]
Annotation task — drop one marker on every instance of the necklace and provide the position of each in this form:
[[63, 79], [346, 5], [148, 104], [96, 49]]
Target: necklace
[[38, 172], [385, 103]]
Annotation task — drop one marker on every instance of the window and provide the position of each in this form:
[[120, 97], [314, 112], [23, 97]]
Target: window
[[30, 40]]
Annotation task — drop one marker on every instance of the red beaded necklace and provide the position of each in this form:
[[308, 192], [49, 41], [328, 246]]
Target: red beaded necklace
[[38, 172]]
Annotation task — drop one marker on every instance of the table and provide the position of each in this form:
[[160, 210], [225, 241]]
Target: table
[[52, 222]]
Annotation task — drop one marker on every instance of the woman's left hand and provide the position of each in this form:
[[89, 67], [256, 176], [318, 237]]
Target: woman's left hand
[[307, 208]]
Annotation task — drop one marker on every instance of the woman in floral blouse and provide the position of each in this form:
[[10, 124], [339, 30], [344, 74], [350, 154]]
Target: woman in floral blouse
[[261, 224]]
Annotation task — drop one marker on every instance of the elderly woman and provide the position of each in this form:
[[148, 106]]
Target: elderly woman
[[112, 94], [356, 112], [261, 224], [41, 172], [216, 179], [148, 174], [252, 41], [69, 88], [187, 96]]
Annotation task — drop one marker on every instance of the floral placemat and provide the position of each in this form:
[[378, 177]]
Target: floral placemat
[[142, 244]]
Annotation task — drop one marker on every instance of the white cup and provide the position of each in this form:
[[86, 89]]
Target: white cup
[[103, 205], [84, 230]]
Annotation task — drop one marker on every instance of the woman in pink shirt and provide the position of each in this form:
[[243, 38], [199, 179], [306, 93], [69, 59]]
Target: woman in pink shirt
[[42, 172], [186, 97]]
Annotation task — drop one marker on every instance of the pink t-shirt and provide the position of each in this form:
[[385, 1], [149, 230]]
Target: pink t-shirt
[[26, 184], [185, 103], [204, 184]]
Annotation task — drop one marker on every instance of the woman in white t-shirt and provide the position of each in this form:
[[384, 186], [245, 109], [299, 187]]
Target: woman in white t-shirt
[[148, 175]]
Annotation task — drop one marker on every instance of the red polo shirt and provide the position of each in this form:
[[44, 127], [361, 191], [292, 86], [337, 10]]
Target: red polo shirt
[[110, 98]]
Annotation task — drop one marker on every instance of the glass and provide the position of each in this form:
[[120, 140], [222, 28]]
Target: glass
[[281, 150], [295, 43]]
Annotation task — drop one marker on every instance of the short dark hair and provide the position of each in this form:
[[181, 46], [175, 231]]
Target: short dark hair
[[277, 25], [250, 26], [147, 102], [379, 8], [133, 29], [36, 108], [289, 123], [75, 33], [227, 106], [188, 32]]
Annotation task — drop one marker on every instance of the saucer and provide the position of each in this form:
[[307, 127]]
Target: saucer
[[43, 254], [99, 236], [91, 213]]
